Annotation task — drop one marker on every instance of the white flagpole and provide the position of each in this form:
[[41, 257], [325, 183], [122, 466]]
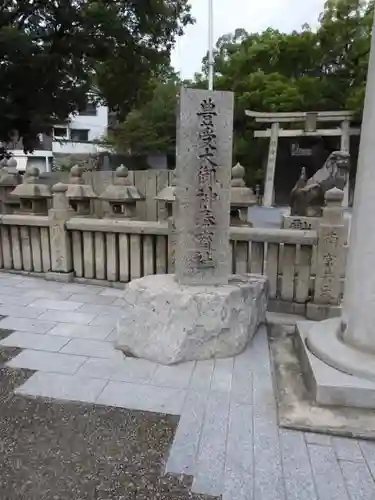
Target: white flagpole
[[210, 45]]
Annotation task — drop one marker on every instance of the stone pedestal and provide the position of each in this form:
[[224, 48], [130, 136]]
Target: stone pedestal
[[169, 323]]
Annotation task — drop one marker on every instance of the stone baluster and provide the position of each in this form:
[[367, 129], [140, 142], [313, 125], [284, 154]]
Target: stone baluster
[[32, 194], [122, 196], [79, 194], [241, 198], [330, 255], [61, 253]]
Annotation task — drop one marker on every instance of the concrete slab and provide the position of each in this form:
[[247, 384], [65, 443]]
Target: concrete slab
[[329, 386], [298, 410], [283, 323]]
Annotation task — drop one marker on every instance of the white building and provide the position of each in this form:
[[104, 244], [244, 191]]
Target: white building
[[79, 134], [76, 138]]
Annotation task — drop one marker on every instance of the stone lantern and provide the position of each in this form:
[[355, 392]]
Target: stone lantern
[[8, 181], [78, 193], [11, 165], [167, 198], [241, 198], [122, 196], [32, 194], [3, 164]]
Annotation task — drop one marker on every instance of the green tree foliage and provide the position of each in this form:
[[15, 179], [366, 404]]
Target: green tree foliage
[[306, 70], [151, 127], [53, 52]]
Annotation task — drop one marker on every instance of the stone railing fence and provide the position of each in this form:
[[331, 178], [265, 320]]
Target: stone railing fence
[[305, 268]]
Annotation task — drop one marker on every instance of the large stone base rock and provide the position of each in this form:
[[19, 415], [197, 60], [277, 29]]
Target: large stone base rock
[[168, 323]]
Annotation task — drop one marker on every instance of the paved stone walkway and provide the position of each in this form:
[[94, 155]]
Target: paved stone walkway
[[227, 436], [78, 451]]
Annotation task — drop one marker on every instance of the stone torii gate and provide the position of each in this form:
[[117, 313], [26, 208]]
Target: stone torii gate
[[310, 120]]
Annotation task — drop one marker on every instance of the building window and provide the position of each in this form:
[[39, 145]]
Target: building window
[[79, 135], [90, 110], [60, 132]]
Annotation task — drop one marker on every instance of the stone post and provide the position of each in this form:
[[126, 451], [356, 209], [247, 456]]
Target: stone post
[[61, 252], [345, 146], [329, 262], [271, 166], [359, 304]]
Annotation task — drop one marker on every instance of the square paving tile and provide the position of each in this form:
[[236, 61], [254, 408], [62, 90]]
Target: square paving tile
[[35, 341], [120, 370], [58, 305], [143, 397], [73, 330], [92, 348], [67, 317], [61, 386], [47, 361], [26, 325]]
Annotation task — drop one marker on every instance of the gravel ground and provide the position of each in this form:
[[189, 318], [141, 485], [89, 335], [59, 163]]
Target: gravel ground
[[75, 451]]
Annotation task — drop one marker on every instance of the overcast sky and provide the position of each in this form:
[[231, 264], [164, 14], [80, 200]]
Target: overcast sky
[[252, 15]]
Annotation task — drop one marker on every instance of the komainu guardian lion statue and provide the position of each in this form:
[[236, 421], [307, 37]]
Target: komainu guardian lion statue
[[307, 196]]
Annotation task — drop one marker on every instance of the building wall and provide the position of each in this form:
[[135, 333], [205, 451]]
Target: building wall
[[49, 147], [42, 159], [75, 148], [95, 125]]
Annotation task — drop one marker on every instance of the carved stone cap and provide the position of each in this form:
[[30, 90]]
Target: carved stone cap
[[334, 196], [168, 193], [12, 163], [77, 189], [59, 188], [240, 195], [238, 174], [122, 190], [76, 173], [30, 187], [7, 178]]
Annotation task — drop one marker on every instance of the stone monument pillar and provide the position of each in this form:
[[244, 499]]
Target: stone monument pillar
[[203, 172], [202, 312], [347, 344]]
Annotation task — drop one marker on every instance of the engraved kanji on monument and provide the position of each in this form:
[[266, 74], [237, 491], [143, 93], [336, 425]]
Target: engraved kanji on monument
[[204, 161]]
